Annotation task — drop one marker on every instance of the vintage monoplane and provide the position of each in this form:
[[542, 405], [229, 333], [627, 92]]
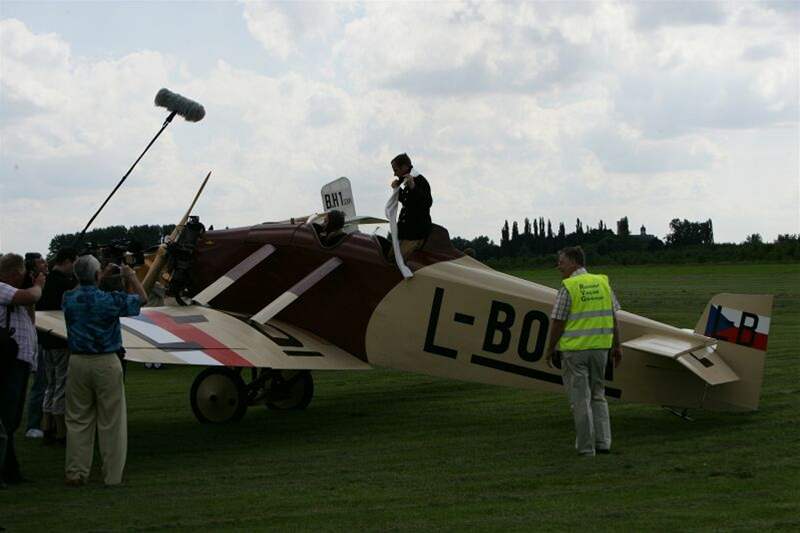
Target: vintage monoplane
[[260, 307]]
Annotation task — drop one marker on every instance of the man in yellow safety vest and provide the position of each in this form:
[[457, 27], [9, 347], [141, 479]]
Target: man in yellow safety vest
[[584, 329]]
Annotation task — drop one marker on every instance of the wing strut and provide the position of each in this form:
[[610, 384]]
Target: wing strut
[[231, 276], [282, 302]]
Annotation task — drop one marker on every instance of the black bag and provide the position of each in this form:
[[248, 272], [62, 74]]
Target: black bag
[[8, 345]]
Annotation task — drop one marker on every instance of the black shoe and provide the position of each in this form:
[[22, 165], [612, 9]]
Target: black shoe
[[600, 451], [14, 479]]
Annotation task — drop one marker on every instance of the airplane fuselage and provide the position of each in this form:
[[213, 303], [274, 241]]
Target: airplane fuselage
[[456, 318]]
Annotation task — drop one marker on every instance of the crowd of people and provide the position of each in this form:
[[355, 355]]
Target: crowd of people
[[77, 390]]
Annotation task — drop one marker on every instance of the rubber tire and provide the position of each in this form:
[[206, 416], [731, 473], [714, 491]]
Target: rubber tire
[[302, 397], [240, 397]]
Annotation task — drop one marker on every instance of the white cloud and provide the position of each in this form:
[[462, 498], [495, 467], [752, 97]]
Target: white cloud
[[511, 109], [653, 15], [283, 28]]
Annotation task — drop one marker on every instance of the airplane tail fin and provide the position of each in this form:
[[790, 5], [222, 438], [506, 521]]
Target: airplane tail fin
[[740, 322]]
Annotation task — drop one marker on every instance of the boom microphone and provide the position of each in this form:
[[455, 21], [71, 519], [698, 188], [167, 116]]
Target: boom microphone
[[175, 103]]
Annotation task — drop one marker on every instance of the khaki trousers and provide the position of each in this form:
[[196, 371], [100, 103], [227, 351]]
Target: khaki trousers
[[96, 402], [406, 248], [583, 378]]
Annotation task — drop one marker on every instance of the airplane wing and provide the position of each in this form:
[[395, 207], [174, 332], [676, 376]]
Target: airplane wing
[[695, 352], [364, 219], [196, 335]]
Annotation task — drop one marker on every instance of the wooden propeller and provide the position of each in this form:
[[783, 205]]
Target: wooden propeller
[[159, 261]]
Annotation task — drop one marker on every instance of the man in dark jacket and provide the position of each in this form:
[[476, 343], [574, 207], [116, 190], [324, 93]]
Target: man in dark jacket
[[56, 352], [414, 222]]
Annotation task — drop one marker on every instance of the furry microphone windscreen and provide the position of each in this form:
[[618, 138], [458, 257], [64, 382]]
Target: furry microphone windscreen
[[173, 102]]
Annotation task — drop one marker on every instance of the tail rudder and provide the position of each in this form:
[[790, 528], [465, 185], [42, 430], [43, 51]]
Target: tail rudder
[[741, 323]]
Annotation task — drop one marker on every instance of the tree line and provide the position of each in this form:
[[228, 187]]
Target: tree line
[[537, 243], [687, 241], [138, 237]]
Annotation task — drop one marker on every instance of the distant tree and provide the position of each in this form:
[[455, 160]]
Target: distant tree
[[684, 232], [536, 228], [562, 231], [755, 238], [514, 231], [622, 227], [527, 227], [460, 243], [504, 238], [578, 227], [144, 236], [483, 247], [549, 230], [708, 232]]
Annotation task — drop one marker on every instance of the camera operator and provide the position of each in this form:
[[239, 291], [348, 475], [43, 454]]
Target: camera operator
[[95, 398], [55, 350], [35, 264], [15, 362]]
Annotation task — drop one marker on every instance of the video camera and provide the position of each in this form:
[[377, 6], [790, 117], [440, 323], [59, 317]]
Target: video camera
[[118, 251]]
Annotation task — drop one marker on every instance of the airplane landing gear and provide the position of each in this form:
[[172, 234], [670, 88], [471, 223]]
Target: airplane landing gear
[[218, 395], [290, 390]]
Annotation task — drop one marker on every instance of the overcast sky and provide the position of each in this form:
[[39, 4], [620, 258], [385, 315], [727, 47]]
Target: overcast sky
[[563, 110]]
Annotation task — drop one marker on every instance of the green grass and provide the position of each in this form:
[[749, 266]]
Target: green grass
[[385, 450]]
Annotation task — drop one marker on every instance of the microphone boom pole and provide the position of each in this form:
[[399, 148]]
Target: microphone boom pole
[[128, 173], [176, 105]]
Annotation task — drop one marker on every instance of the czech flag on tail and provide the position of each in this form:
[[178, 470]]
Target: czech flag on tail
[[738, 327]]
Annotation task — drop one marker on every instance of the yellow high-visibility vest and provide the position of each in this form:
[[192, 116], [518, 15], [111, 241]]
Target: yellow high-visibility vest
[[590, 325]]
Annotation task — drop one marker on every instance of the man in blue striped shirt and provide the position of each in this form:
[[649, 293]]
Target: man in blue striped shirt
[[95, 398]]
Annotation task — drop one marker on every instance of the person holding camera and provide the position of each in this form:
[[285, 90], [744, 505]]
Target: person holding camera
[[55, 351], [17, 356], [95, 396], [35, 264]]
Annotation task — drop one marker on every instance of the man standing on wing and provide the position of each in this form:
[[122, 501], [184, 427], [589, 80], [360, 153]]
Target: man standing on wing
[[414, 222], [584, 328], [95, 397]]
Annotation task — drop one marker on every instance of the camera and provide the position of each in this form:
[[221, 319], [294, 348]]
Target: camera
[[34, 265]]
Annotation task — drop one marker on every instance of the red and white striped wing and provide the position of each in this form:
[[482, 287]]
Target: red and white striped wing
[[195, 335]]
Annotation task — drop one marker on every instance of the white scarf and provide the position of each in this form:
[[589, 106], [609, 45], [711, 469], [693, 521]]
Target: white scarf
[[391, 214]]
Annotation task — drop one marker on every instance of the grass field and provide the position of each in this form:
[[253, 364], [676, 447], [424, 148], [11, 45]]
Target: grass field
[[384, 450]]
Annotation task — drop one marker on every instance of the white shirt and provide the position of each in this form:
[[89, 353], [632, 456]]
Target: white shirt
[[24, 330]]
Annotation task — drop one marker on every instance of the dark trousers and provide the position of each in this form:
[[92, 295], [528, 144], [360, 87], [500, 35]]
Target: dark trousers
[[13, 385]]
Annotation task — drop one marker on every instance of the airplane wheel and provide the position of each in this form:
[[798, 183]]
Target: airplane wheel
[[291, 391], [218, 396]]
